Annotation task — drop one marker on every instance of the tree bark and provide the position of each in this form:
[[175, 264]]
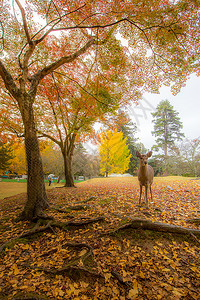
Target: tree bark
[[69, 180], [36, 194]]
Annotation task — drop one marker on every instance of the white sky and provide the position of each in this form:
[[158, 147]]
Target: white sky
[[187, 103]]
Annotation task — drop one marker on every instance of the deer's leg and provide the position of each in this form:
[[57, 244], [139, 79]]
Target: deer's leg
[[146, 199], [151, 193], [140, 195]]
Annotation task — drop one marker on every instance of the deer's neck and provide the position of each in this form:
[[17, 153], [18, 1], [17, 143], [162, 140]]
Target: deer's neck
[[143, 169]]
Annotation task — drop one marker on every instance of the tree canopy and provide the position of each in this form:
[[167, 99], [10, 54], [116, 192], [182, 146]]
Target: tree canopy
[[160, 46]]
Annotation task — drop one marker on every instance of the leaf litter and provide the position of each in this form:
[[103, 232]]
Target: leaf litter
[[93, 261]]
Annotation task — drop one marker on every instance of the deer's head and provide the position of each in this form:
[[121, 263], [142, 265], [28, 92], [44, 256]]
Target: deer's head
[[143, 158]]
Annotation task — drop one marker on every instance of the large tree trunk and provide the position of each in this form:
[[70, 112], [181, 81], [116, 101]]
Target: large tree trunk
[[69, 181], [67, 152], [36, 194]]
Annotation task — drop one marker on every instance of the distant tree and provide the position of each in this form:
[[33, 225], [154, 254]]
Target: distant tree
[[124, 124], [18, 162], [51, 158], [190, 153], [114, 153], [6, 156], [84, 163], [167, 127]]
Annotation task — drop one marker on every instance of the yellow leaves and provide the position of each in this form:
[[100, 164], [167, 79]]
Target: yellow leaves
[[178, 293], [61, 293], [83, 252], [124, 274], [84, 285], [141, 274], [16, 270], [114, 152], [107, 276], [166, 270], [134, 291]]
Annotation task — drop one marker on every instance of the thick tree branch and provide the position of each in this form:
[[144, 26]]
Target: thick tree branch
[[55, 116], [8, 81], [49, 137]]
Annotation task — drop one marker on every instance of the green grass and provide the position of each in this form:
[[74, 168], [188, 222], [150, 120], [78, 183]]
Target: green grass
[[11, 187]]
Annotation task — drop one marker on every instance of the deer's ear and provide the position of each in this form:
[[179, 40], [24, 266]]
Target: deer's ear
[[149, 153], [138, 154]]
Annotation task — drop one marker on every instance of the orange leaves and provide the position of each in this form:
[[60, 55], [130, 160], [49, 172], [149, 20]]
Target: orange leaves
[[134, 264]]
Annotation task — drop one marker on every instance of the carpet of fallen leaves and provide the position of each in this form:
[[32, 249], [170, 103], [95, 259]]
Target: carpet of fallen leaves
[[127, 264]]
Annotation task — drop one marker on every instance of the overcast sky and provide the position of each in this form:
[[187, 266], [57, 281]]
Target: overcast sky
[[187, 103]]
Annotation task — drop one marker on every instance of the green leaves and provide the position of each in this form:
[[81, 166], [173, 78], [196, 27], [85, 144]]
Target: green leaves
[[167, 126]]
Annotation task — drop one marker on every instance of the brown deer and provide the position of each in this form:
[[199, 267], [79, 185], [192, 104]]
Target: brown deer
[[145, 174]]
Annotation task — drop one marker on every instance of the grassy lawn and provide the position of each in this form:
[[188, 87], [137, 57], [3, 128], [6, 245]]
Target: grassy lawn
[[11, 188]]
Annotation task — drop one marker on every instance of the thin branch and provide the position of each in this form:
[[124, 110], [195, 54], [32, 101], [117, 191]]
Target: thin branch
[[24, 21], [58, 94], [2, 35], [82, 88], [55, 21], [55, 8], [179, 41]]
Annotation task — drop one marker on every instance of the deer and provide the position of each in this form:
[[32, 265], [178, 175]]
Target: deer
[[145, 174]]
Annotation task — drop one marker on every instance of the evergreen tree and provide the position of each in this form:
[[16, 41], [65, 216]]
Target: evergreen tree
[[167, 127], [129, 130]]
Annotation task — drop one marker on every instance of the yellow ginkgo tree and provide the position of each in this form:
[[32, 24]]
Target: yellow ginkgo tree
[[114, 153]]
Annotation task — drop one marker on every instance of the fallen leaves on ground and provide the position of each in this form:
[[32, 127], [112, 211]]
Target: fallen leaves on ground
[[131, 264]]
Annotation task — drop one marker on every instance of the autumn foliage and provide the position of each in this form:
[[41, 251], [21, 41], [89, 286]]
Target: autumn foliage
[[90, 252], [109, 52], [114, 153]]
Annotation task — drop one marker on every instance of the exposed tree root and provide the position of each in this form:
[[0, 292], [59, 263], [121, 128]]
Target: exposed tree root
[[70, 208], [35, 230], [60, 210], [195, 221], [144, 224], [85, 201], [74, 272], [74, 245], [29, 296], [79, 205], [42, 217], [78, 223], [49, 226], [121, 280], [75, 269]]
